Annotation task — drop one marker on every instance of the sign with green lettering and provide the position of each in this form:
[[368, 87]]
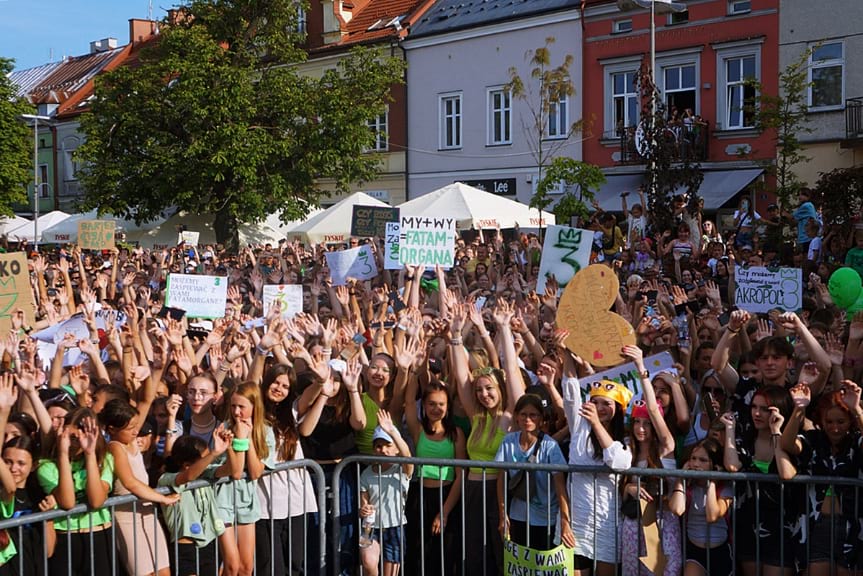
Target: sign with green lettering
[[96, 234], [372, 220], [427, 241]]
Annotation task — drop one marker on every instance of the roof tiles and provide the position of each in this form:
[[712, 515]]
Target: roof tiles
[[450, 15]]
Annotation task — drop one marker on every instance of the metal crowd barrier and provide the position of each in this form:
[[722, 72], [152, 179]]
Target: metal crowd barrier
[[754, 485], [38, 520]]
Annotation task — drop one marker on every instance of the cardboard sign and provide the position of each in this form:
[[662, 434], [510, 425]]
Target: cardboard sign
[[290, 296], [595, 333], [761, 290], [391, 246], [96, 234], [426, 241], [519, 559], [565, 251], [189, 238], [372, 220], [199, 296], [627, 375], [357, 263], [14, 290]]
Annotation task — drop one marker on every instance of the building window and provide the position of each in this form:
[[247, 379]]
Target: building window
[[826, 76], [43, 181], [499, 117], [678, 17], [301, 19], [621, 26], [679, 87], [558, 118], [450, 121], [380, 129], [624, 96], [739, 6], [736, 95]]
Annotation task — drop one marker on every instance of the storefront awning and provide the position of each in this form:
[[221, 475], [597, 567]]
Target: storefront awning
[[717, 188]]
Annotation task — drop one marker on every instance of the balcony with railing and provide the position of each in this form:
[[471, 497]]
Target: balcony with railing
[[853, 122], [686, 141]]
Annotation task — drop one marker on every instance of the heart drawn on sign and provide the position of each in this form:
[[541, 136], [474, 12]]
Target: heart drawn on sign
[[597, 355]]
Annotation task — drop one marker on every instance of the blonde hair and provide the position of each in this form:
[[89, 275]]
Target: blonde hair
[[252, 392], [484, 415]]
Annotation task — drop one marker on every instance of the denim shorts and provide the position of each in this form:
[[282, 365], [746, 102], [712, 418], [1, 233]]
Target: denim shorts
[[391, 549]]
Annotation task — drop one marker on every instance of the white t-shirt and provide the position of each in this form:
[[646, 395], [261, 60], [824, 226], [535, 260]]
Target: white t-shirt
[[388, 492], [814, 253]]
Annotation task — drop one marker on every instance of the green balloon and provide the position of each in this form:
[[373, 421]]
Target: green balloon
[[844, 287], [857, 306]]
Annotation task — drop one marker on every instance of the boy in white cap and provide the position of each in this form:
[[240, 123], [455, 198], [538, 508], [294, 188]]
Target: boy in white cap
[[383, 492]]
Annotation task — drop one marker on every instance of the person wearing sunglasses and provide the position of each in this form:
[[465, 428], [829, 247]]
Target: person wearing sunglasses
[[597, 432]]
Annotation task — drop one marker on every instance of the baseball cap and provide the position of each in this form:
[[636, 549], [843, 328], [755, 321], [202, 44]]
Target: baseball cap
[[380, 434]]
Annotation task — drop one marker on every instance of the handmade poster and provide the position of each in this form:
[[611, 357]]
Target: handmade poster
[[426, 241], [199, 296], [595, 333], [565, 251], [372, 220], [189, 238], [520, 559], [290, 296], [357, 263], [760, 290], [14, 290], [627, 375], [96, 234], [391, 247]]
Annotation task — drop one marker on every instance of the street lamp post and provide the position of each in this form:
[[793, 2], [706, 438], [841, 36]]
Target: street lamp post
[[665, 6], [35, 118]]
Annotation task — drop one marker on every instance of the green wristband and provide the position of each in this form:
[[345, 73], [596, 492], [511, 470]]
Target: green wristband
[[240, 444]]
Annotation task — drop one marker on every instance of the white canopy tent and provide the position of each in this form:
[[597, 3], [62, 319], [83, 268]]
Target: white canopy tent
[[45, 221], [67, 230], [274, 222], [334, 223], [7, 225], [475, 209], [166, 233]]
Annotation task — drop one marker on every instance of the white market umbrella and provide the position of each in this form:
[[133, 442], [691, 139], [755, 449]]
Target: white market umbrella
[[67, 230], [474, 209], [274, 222], [45, 221], [7, 225], [334, 223], [165, 234]]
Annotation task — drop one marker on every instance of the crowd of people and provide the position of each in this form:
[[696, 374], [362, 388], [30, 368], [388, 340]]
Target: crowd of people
[[466, 363]]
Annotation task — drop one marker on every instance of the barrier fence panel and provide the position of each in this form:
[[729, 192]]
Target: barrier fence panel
[[62, 543], [770, 527]]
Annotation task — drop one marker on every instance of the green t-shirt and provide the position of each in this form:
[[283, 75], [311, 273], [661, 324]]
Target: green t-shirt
[[49, 478], [364, 436], [854, 259], [7, 509], [194, 516]]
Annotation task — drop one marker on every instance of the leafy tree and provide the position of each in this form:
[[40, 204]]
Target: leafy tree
[[16, 145], [671, 170], [580, 181], [216, 118], [841, 193], [541, 92], [784, 116]]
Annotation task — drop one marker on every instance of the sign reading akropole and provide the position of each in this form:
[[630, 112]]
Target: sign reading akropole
[[761, 290], [199, 296], [426, 241]]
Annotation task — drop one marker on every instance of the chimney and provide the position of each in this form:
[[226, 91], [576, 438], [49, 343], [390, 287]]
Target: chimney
[[102, 45], [334, 18], [140, 29]]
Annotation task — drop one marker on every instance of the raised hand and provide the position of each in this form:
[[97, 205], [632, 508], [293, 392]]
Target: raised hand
[[406, 353], [776, 420], [851, 395], [222, 438], [801, 395], [182, 360], [809, 374], [8, 393], [88, 435], [79, 380], [739, 319], [765, 330], [790, 321], [351, 375], [503, 312]]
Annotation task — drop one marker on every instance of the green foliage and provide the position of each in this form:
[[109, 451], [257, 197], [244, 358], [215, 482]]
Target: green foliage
[[216, 118], [784, 117], [841, 193], [16, 144], [668, 173], [546, 86], [580, 181]]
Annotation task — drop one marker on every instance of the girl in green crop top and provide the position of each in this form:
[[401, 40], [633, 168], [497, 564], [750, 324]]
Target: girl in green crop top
[[435, 436], [488, 396]]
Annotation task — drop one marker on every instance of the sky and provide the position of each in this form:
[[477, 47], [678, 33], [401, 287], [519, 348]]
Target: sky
[[31, 29]]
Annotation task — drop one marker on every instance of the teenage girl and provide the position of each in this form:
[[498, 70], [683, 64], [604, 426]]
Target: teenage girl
[[432, 542], [237, 501], [140, 538], [705, 504], [653, 447], [488, 396], [80, 471]]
